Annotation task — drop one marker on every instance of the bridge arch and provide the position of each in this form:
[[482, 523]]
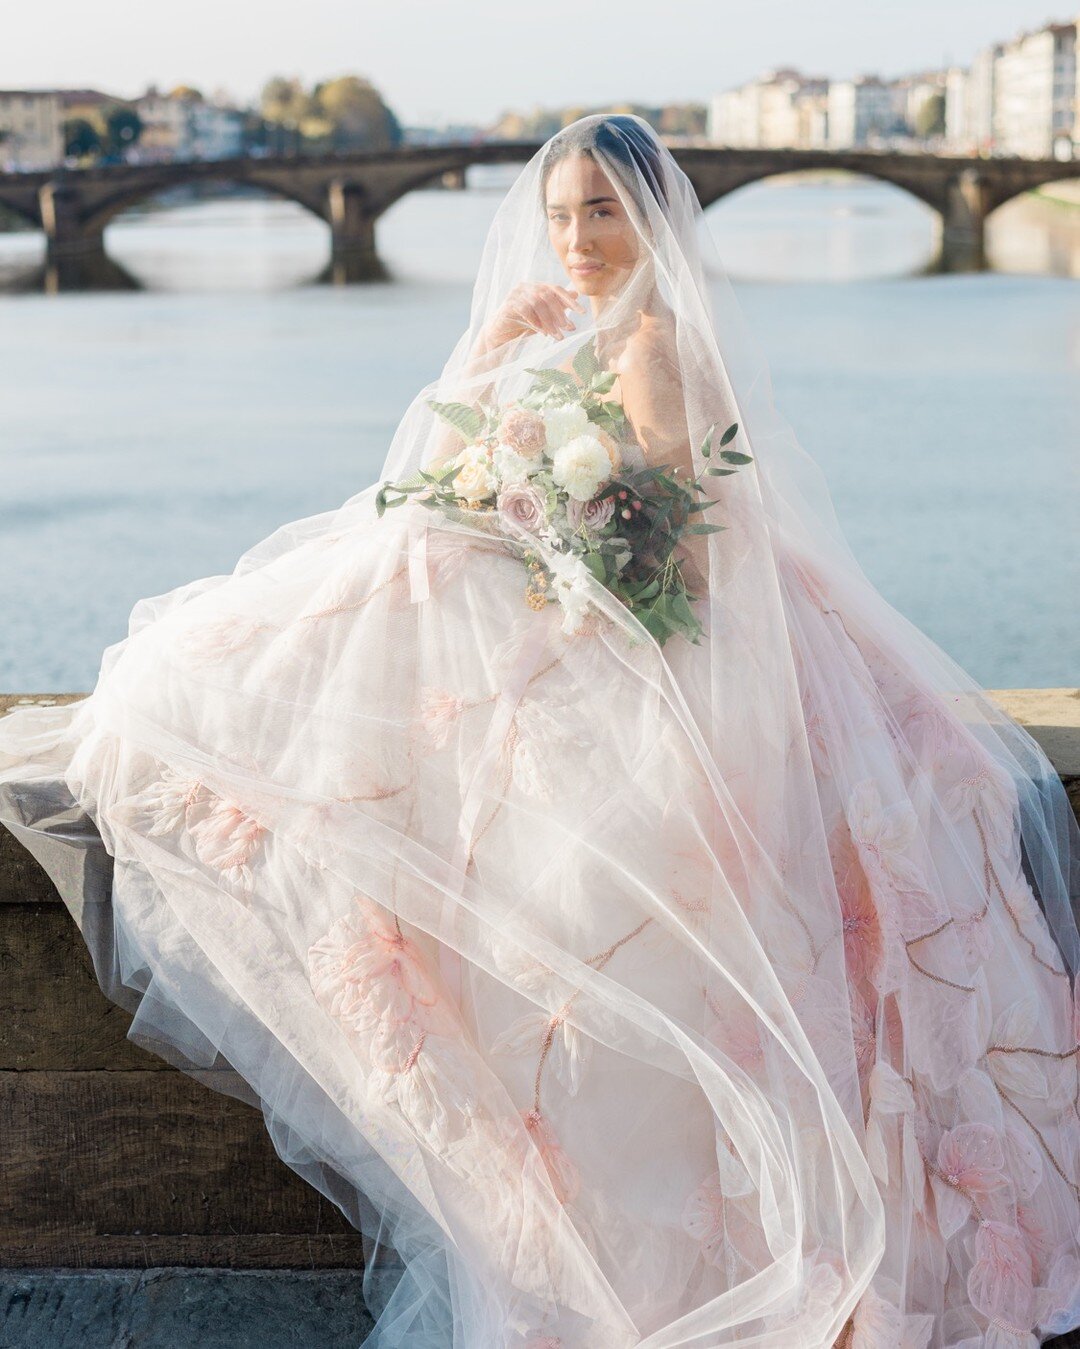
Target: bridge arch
[[765, 168], [18, 208], [107, 209], [1069, 171]]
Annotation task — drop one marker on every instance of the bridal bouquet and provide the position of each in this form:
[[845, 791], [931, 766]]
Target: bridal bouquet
[[550, 467]]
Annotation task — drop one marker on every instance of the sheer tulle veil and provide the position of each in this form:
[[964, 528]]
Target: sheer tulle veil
[[622, 989]]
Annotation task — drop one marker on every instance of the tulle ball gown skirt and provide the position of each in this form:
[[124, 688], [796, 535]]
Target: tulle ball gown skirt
[[627, 1011]]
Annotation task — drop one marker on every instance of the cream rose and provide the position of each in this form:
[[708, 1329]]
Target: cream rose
[[473, 480]]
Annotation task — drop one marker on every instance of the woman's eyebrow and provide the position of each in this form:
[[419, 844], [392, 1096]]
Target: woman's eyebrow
[[592, 201]]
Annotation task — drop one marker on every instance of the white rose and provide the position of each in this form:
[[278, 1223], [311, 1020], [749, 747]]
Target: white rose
[[510, 467], [563, 424], [581, 466]]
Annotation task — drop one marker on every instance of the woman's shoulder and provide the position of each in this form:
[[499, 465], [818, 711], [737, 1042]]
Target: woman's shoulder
[[653, 338], [654, 327]]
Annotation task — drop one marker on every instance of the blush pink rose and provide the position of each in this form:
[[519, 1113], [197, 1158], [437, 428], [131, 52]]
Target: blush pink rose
[[524, 431]]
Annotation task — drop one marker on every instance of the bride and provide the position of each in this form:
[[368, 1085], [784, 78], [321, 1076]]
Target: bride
[[624, 915]]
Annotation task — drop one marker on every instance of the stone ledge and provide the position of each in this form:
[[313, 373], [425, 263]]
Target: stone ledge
[[168, 1306], [1051, 716]]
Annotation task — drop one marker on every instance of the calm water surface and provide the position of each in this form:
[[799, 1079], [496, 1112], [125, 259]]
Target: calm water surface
[[151, 437]]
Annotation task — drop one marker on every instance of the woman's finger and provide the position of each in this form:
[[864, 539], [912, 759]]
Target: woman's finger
[[571, 298], [539, 320], [556, 314]]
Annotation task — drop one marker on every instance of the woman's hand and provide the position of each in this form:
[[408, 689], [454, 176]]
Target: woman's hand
[[532, 306]]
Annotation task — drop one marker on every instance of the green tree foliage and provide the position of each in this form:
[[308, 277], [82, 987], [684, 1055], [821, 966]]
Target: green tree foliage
[[347, 113], [930, 118], [119, 128], [81, 137]]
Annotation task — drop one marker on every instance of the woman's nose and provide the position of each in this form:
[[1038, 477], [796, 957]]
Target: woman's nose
[[580, 235]]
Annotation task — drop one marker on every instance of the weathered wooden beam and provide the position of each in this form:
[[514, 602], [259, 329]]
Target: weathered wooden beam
[[137, 1163]]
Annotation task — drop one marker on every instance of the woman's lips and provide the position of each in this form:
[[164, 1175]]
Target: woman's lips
[[587, 267]]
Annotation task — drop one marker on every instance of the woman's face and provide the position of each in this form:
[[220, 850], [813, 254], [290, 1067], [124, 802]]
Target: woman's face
[[588, 226]]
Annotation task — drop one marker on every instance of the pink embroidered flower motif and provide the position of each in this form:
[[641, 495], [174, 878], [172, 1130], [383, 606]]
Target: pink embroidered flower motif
[[891, 1098], [987, 788], [223, 834], [373, 979], [926, 724], [879, 1322], [703, 1218], [438, 713], [863, 1035], [1057, 1303], [885, 838], [206, 643], [227, 838], [570, 1048], [562, 1172], [970, 1162], [169, 800], [1000, 1284], [863, 944], [713, 1215]]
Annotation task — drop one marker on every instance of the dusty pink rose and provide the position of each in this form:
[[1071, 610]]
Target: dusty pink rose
[[523, 431], [593, 514], [523, 506]]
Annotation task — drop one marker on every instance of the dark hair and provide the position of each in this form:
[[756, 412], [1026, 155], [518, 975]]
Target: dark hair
[[625, 140]]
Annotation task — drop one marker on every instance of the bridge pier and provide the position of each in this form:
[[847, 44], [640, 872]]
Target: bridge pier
[[963, 223], [75, 257], [353, 255]]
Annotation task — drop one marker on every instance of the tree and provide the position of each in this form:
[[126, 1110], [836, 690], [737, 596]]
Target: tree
[[119, 127], [356, 116], [347, 113], [80, 138], [930, 118]]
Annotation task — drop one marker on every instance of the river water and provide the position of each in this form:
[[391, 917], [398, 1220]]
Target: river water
[[149, 437]]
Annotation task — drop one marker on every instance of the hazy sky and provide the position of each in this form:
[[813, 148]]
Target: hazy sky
[[469, 60]]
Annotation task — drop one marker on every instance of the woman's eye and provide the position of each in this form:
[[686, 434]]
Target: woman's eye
[[600, 210]]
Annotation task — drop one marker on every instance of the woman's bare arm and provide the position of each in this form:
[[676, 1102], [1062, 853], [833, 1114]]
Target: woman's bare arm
[[653, 400]]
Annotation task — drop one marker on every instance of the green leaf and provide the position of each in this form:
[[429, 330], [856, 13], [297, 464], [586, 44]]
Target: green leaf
[[706, 444], [604, 383], [469, 421], [586, 364], [595, 564], [705, 529], [720, 472], [680, 607], [730, 434], [735, 457]]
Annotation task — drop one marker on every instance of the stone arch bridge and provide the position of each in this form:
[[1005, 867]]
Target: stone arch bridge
[[351, 191]]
